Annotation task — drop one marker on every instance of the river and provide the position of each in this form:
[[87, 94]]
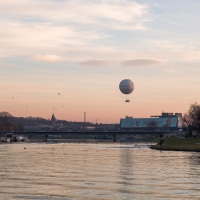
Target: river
[[105, 171]]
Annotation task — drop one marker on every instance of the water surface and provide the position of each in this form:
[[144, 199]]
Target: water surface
[[96, 171]]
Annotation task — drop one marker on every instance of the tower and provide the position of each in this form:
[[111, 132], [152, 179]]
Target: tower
[[53, 120], [84, 116]]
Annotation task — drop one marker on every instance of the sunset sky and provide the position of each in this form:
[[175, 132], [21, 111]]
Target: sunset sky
[[82, 49]]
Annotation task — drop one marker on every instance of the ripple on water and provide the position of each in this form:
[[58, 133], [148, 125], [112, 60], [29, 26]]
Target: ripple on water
[[97, 171]]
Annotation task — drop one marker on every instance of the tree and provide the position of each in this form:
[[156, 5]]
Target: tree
[[6, 121], [5, 117], [192, 119]]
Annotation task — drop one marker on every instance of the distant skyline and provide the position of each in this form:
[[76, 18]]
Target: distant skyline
[[68, 57]]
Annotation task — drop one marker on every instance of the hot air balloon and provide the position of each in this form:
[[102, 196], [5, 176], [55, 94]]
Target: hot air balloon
[[126, 86]]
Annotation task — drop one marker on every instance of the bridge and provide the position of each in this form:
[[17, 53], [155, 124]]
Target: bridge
[[85, 135]]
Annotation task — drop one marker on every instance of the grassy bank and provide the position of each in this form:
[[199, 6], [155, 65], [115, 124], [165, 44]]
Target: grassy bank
[[179, 144]]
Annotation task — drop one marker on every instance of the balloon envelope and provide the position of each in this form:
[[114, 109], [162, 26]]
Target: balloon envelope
[[126, 86]]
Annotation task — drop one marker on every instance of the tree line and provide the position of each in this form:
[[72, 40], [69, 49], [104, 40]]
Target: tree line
[[9, 123]]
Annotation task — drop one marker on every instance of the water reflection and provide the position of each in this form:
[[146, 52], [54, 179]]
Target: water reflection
[[195, 158], [126, 163], [126, 172], [194, 172]]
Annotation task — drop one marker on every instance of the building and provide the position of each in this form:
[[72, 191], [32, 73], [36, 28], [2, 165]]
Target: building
[[166, 121]]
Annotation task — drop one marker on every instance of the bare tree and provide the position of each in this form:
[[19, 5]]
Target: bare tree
[[192, 118], [6, 121]]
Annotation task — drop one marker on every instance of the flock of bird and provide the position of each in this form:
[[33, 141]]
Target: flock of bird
[[28, 106]]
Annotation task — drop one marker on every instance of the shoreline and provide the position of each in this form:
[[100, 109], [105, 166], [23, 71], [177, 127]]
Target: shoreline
[[179, 144], [156, 147]]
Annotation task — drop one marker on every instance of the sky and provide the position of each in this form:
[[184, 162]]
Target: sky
[[82, 49]]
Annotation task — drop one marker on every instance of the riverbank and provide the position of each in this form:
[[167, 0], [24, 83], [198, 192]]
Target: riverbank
[[179, 144]]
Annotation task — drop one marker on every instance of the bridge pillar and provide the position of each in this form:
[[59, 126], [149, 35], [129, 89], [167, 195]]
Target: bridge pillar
[[114, 137], [46, 137]]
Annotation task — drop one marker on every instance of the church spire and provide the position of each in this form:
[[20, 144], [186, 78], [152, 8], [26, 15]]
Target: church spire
[[53, 119]]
